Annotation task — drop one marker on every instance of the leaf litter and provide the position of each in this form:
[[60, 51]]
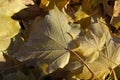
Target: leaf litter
[[90, 50]]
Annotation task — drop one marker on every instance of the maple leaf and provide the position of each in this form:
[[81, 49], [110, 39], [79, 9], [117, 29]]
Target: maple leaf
[[107, 61], [88, 47], [93, 41], [9, 27], [99, 50], [48, 41]]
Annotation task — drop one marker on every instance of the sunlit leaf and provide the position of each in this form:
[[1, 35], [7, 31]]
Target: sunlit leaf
[[116, 11], [97, 67], [115, 20], [8, 27], [2, 57], [49, 4], [59, 39], [4, 43], [48, 41], [80, 15], [104, 52], [93, 41], [44, 3], [83, 18]]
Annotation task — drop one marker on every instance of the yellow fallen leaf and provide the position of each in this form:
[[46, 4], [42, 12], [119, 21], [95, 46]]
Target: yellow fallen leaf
[[4, 43], [9, 27], [98, 67], [116, 11], [115, 20], [44, 3], [1, 57], [49, 4], [80, 15]]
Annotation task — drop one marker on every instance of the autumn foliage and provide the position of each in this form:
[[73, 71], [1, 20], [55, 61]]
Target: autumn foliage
[[59, 39]]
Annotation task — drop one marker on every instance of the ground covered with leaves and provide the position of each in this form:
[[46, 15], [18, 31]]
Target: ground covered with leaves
[[59, 39]]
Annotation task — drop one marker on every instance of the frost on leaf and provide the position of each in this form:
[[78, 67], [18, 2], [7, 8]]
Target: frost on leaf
[[48, 41]]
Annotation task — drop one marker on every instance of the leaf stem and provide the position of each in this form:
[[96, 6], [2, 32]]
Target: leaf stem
[[82, 61], [114, 74]]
